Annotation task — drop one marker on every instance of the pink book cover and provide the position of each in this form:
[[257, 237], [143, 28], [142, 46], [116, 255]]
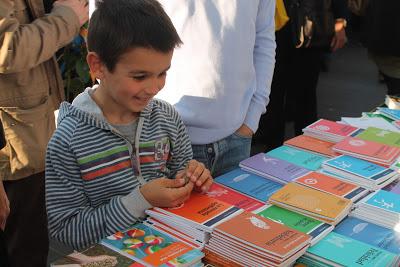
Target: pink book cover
[[368, 148], [333, 127]]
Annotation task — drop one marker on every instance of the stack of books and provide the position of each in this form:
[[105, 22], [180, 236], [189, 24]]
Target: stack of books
[[368, 150], [298, 157], [370, 233], [252, 185], [311, 144], [195, 218], [330, 131], [251, 240], [361, 172], [339, 250], [381, 207], [378, 135], [275, 169], [230, 196], [311, 202], [332, 185], [150, 247], [365, 122], [313, 227], [393, 114]]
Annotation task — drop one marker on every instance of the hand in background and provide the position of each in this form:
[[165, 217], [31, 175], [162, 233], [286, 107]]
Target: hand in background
[[168, 193], [197, 174], [4, 207], [244, 130], [80, 7], [340, 38]]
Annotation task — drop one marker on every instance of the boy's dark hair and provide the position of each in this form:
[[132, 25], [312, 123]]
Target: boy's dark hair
[[116, 26]]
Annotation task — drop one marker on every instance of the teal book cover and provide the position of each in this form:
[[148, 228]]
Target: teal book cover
[[349, 252], [298, 157]]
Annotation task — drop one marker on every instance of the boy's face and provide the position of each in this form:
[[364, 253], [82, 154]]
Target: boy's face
[[137, 77]]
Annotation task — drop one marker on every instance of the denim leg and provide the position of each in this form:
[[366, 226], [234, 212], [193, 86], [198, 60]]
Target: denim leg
[[230, 151], [205, 154]]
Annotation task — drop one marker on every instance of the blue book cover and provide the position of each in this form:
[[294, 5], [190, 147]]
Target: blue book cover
[[350, 252], [385, 200], [299, 157], [392, 113], [250, 184], [151, 247], [372, 234], [359, 167]]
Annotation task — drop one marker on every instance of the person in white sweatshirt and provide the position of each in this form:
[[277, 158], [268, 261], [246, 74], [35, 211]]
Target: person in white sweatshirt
[[220, 78]]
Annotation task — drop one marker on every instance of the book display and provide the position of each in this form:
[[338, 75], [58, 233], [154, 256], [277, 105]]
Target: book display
[[329, 197]]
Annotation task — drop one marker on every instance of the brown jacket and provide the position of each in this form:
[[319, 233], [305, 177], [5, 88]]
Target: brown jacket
[[30, 81]]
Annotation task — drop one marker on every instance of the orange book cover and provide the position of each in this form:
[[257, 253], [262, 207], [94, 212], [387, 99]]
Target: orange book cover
[[332, 127], [218, 260], [312, 144], [264, 234], [368, 148], [311, 200], [326, 183], [201, 208]]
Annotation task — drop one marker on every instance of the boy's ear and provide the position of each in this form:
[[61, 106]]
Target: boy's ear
[[96, 66]]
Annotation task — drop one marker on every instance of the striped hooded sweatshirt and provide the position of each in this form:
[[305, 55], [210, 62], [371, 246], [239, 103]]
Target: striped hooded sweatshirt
[[93, 173]]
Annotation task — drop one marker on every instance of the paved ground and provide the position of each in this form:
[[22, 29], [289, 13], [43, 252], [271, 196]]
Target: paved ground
[[348, 88]]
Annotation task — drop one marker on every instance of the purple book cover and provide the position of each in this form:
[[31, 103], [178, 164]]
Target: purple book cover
[[393, 187], [281, 170]]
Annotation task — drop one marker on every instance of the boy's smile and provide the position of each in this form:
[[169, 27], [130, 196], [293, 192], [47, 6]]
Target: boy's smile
[[137, 77]]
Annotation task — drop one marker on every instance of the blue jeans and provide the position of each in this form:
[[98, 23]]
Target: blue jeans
[[223, 155]]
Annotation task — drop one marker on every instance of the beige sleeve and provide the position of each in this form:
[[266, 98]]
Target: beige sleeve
[[24, 46]]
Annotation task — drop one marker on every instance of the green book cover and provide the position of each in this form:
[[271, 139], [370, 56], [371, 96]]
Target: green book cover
[[290, 219], [376, 115], [381, 136]]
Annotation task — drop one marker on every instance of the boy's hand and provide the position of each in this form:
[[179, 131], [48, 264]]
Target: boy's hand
[[197, 174], [168, 193], [80, 7]]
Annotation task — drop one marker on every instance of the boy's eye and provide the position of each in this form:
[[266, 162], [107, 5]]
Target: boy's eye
[[139, 77]]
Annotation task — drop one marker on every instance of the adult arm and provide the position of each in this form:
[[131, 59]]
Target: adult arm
[[264, 62], [24, 46]]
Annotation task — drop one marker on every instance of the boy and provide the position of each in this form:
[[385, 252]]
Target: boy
[[100, 176]]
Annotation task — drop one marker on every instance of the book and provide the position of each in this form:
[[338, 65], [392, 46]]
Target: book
[[233, 197], [330, 131], [199, 212], [376, 115], [381, 207], [275, 169], [311, 202], [298, 157], [96, 255], [368, 150], [393, 114], [151, 247], [252, 185], [311, 144], [391, 138], [369, 233], [339, 250], [360, 172], [393, 187], [365, 122], [257, 239], [313, 227], [332, 185]]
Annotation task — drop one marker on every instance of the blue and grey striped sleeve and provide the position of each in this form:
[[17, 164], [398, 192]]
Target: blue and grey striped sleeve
[[72, 219]]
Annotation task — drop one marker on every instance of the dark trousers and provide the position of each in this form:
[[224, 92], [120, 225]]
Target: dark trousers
[[26, 234], [392, 84], [293, 91]]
